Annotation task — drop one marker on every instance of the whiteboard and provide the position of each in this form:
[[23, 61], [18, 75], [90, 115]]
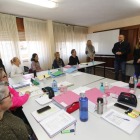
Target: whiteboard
[[104, 41]]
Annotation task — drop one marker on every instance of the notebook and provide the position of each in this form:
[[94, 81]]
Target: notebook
[[115, 91], [65, 83], [84, 63], [43, 99], [45, 114], [92, 96], [35, 91], [66, 99], [42, 76], [68, 66], [117, 119], [119, 84], [28, 76], [57, 122], [21, 85], [70, 70], [57, 73]]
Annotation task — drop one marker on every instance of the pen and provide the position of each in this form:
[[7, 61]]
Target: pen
[[75, 128], [123, 118]]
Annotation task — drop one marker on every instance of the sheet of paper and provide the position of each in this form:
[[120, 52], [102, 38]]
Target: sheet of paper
[[57, 122], [91, 107], [138, 97], [78, 90], [54, 70], [76, 74], [117, 119], [119, 84], [34, 91], [65, 83], [43, 115], [43, 100]]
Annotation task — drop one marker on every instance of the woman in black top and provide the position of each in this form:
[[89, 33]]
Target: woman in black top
[[136, 62], [73, 60], [2, 66]]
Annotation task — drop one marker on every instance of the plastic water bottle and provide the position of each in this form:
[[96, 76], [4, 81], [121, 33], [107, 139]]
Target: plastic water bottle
[[139, 79], [54, 86], [104, 103], [83, 104], [49, 72], [93, 62], [44, 80], [106, 87], [102, 88], [136, 82]]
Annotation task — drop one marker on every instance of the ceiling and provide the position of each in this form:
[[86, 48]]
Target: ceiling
[[76, 12]]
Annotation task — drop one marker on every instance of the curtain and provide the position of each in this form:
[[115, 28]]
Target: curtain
[[80, 39], [8, 40], [67, 37], [37, 42]]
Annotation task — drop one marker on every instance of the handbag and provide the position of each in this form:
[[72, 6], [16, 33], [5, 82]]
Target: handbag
[[73, 107], [128, 99]]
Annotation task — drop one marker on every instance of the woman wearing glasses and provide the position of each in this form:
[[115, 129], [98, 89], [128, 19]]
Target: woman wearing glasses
[[17, 100], [11, 127]]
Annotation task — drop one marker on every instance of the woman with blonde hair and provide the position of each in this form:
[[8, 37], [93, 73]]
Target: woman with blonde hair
[[16, 67], [58, 62], [136, 55], [90, 52]]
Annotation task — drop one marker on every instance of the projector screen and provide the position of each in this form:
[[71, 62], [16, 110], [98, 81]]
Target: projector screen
[[104, 41]]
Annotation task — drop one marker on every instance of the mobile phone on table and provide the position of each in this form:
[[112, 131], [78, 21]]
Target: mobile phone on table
[[43, 109]]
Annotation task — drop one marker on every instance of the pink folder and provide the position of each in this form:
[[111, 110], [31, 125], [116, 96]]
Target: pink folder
[[93, 94], [68, 66], [117, 90], [28, 77], [66, 99]]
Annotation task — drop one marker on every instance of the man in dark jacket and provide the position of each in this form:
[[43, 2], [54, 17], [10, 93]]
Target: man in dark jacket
[[121, 49]]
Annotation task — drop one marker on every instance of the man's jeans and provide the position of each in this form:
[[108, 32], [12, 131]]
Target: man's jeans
[[118, 64]]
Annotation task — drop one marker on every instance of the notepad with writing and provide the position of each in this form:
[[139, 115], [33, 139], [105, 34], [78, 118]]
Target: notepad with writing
[[115, 91], [21, 85], [45, 114], [57, 122], [116, 118]]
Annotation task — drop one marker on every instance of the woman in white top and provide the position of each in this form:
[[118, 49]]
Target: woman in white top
[[16, 67]]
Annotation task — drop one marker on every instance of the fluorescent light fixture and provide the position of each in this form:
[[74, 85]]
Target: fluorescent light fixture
[[44, 3]]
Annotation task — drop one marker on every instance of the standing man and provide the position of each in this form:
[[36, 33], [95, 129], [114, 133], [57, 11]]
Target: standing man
[[121, 49]]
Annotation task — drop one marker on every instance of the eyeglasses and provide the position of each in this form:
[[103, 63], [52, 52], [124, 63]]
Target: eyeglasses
[[9, 95]]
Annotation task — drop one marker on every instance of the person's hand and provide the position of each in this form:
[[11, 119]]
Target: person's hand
[[28, 92], [138, 61], [118, 53]]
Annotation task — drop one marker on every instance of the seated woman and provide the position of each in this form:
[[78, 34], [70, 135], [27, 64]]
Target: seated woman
[[17, 100], [11, 127], [58, 62], [35, 65], [16, 67], [73, 60]]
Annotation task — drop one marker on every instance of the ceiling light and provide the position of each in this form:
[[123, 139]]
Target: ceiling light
[[138, 0], [44, 3]]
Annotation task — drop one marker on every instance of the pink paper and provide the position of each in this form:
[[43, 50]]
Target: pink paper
[[66, 99], [28, 77], [68, 66], [93, 94], [118, 90]]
